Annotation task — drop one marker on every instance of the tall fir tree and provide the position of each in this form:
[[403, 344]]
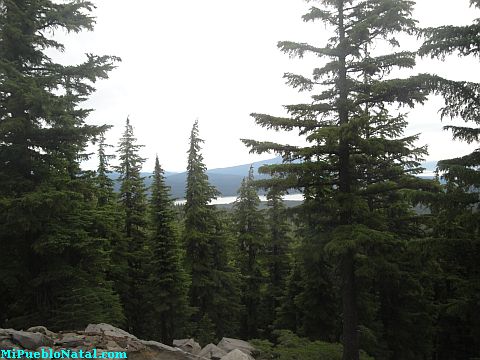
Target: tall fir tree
[[462, 98], [53, 262], [133, 204], [455, 241], [167, 285], [356, 157], [213, 291], [277, 253], [105, 183], [109, 218], [251, 234]]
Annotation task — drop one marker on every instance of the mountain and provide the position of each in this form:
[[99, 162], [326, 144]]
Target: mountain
[[227, 180]]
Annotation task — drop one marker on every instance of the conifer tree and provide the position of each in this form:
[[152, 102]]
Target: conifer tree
[[53, 261], [133, 204], [276, 252], [213, 291], [462, 98], [106, 194], [455, 239], [356, 155], [110, 219], [309, 305], [167, 285], [250, 226]]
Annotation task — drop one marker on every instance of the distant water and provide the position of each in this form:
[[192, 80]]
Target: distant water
[[231, 199]]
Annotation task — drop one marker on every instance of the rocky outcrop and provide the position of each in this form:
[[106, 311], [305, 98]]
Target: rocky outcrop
[[107, 338], [229, 344], [212, 352], [188, 345], [237, 355]]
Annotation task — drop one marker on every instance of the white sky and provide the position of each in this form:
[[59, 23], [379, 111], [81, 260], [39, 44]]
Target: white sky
[[217, 60]]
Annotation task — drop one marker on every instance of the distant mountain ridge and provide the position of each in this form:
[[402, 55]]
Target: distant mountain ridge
[[227, 180]]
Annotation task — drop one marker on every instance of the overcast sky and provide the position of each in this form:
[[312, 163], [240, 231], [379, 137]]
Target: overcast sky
[[217, 60]]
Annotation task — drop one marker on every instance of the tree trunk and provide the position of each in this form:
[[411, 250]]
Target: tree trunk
[[350, 317]]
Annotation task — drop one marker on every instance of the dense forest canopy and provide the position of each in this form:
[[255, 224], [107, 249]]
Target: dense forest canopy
[[355, 271]]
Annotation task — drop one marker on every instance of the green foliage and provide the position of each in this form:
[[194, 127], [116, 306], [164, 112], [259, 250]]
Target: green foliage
[[309, 305], [251, 232], [167, 284], [277, 255], [462, 98], [132, 248], [455, 231], [357, 166], [49, 216], [213, 290], [291, 347]]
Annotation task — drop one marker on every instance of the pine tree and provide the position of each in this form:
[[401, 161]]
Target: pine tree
[[455, 240], [309, 305], [251, 232], [167, 285], [277, 253], [109, 218], [53, 262], [105, 183], [462, 98], [133, 204], [213, 291], [357, 157]]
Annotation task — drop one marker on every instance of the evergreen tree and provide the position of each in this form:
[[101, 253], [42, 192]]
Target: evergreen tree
[[309, 306], [110, 219], [133, 204], [106, 194], [213, 292], [250, 226], [167, 285], [462, 99], [53, 262], [455, 239], [277, 253], [357, 157]]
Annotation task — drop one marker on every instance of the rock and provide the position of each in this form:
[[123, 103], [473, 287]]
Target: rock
[[7, 344], [42, 330], [188, 345], [236, 355], [212, 351], [229, 344], [158, 346], [30, 340], [71, 340], [109, 330], [131, 344], [157, 351], [107, 338]]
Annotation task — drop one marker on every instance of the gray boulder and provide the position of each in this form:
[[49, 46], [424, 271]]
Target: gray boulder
[[157, 351], [188, 345], [71, 341], [7, 344], [212, 352], [109, 330], [229, 344], [237, 355], [42, 330], [29, 340]]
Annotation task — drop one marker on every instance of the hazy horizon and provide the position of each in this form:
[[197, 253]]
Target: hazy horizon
[[218, 61]]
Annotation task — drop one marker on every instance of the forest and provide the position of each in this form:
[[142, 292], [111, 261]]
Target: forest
[[353, 272]]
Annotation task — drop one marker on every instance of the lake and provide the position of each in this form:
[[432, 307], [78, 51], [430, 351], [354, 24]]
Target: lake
[[231, 199]]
